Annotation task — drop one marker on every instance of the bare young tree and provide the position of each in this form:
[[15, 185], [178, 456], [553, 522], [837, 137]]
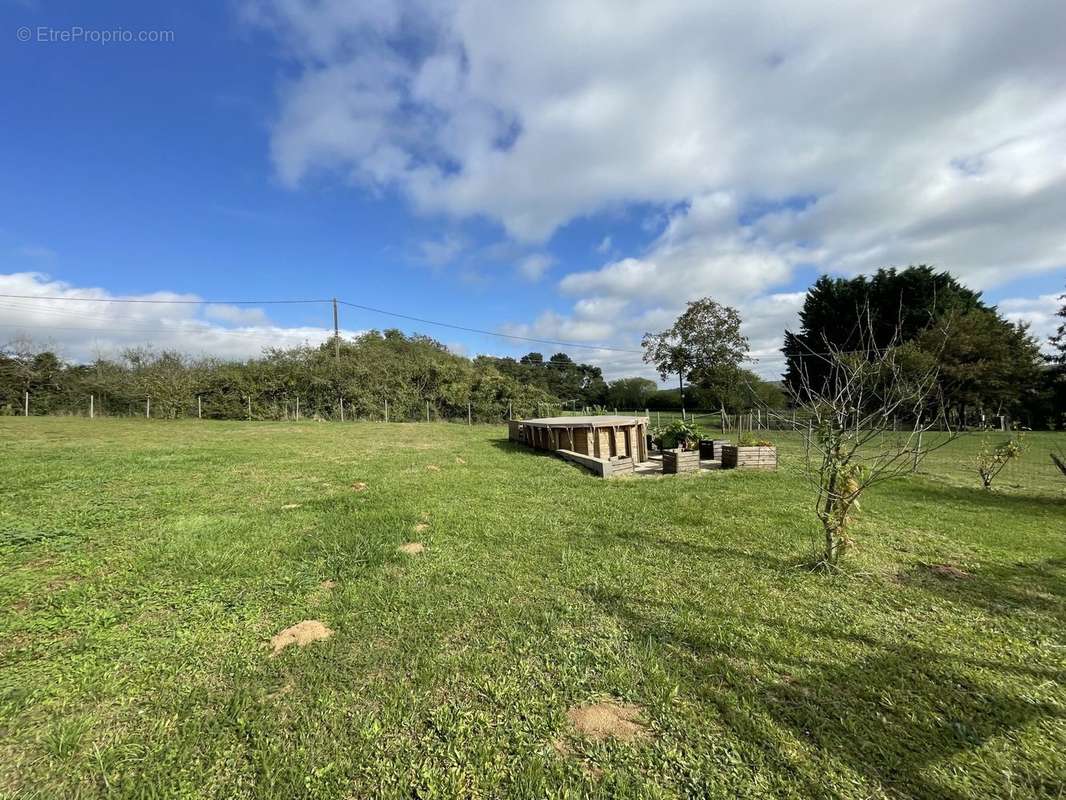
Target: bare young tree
[[867, 419]]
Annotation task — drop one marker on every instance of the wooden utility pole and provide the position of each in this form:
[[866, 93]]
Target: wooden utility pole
[[336, 333]]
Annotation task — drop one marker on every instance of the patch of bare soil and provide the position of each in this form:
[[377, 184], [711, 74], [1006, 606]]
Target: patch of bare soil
[[301, 634], [412, 548], [359, 486], [432, 468], [608, 720], [420, 526], [948, 571]]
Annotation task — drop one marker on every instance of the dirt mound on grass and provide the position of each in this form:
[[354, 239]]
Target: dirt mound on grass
[[420, 526], [359, 486], [322, 592], [412, 548], [301, 634], [608, 720]]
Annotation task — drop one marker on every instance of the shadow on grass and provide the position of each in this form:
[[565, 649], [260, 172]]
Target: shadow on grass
[[929, 488], [1034, 587], [887, 715]]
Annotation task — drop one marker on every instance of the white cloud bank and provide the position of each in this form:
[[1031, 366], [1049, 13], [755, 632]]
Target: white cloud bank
[[81, 330], [847, 136]]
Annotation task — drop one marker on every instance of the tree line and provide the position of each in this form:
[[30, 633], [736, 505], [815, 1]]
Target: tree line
[[415, 376], [986, 366]]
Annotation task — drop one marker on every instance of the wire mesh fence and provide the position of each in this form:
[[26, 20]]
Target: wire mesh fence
[[944, 457]]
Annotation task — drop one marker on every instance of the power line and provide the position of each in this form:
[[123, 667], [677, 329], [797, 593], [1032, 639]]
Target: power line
[[424, 321]]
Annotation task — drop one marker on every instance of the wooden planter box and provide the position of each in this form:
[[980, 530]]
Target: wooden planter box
[[675, 461], [734, 457], [711, 449]]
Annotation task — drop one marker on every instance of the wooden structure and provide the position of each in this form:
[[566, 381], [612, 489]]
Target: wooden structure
[[734, 457], [607, 445], [676, 461]]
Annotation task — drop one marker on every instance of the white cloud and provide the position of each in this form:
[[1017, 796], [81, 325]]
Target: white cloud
[[224, 312], [844, 136], [83, 329], [1040, 312], [933, 133], [438, 252], [533, 266]]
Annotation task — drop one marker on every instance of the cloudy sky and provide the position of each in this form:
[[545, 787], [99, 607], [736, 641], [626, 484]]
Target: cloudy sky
[[568, 171]]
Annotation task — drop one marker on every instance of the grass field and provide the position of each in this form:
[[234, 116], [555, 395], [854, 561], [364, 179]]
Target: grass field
[[146, 566]]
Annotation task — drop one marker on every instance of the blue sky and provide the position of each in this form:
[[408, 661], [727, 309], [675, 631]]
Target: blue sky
[[496, 167]]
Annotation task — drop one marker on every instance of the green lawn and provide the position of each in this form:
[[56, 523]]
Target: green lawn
[[146, 565]]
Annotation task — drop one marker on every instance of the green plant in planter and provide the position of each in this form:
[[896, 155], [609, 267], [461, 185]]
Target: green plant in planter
[[677, 434], [751, 440]]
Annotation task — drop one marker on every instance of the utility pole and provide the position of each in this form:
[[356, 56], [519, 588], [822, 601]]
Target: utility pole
[[336, 332]]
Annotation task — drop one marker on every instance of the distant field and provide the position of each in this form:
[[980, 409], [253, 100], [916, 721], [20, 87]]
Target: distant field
[[146, 566]]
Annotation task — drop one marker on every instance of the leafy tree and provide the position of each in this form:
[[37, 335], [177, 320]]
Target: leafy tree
[[1058, 341], [704, 340], [987, 364], [630, 393], [892, 305]]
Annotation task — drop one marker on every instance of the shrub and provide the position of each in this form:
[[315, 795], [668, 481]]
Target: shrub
[[677, 434], [991, 459]]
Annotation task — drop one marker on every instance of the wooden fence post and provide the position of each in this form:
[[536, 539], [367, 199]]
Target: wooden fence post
[[199, 408], [26, 405], [92, 407], [148, 407]]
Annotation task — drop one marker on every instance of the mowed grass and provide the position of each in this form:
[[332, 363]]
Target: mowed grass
[[147, 564]]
